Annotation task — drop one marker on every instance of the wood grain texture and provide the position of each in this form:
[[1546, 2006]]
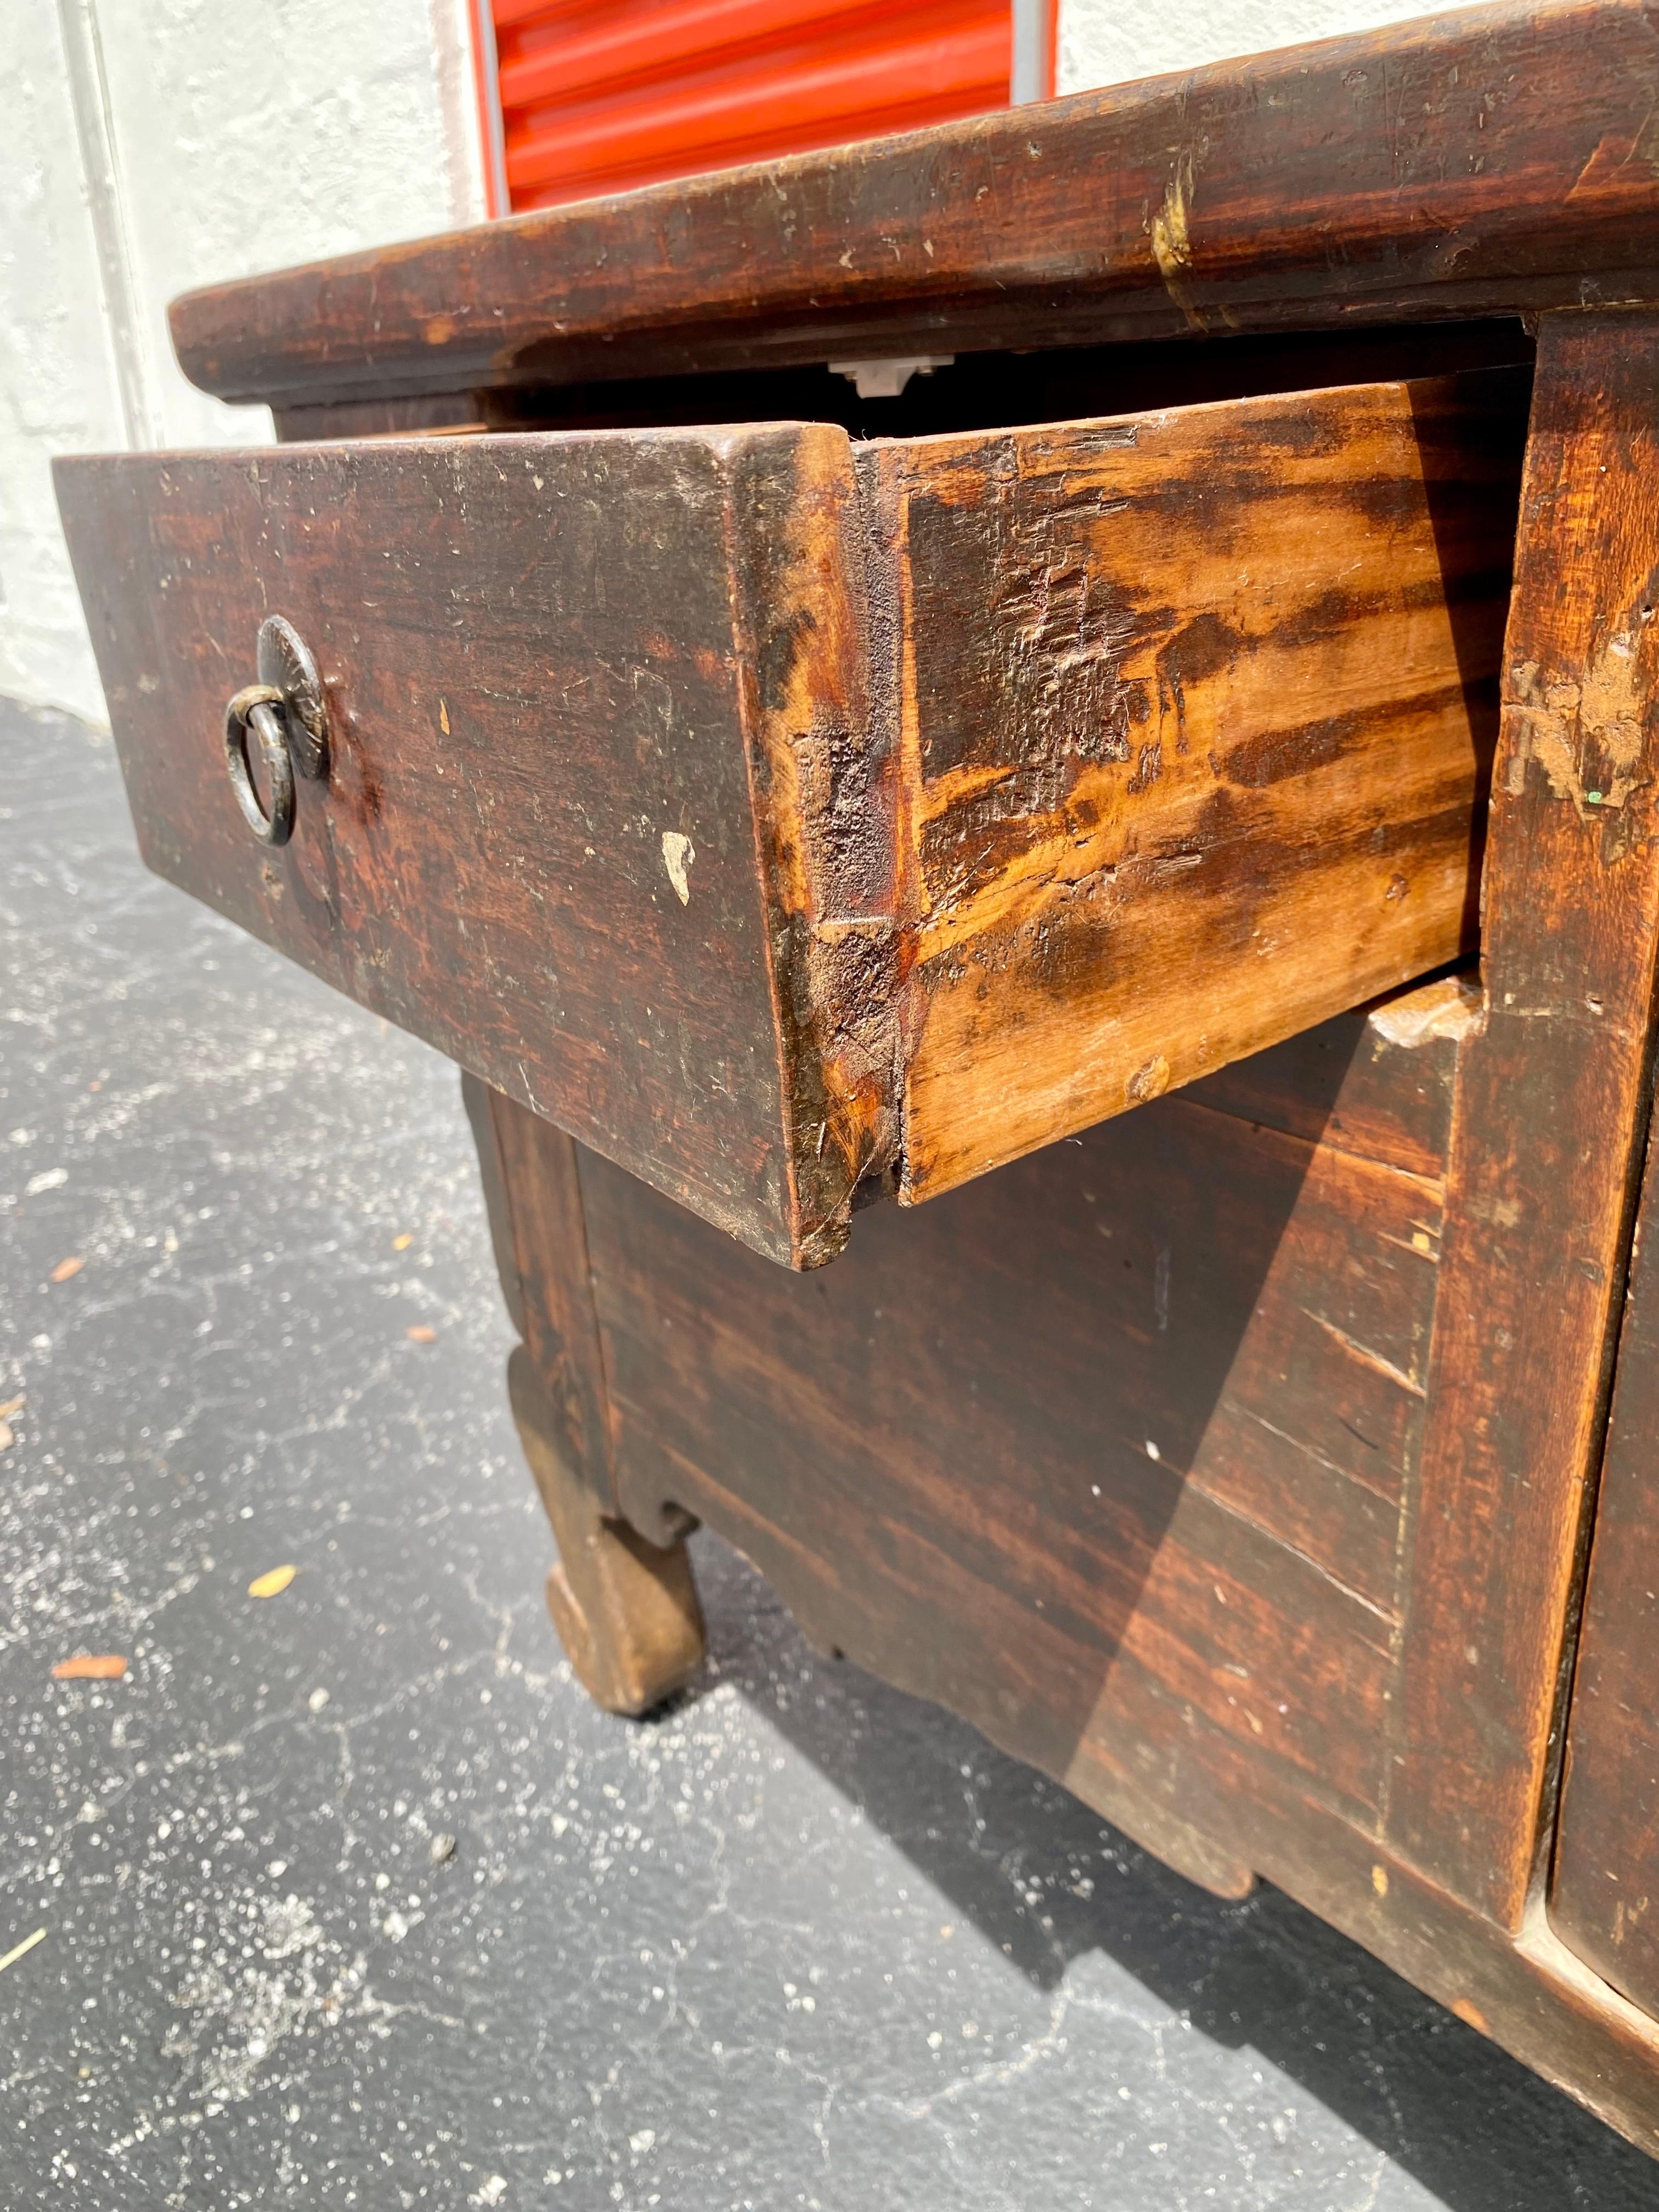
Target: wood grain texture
[[924, 1557], [543, 656], [626, 1610], [533, 1200], [683, 791], [1549, 1125], [1130, 1421], [1604, 1896], [1495, 159], [1195, 712]]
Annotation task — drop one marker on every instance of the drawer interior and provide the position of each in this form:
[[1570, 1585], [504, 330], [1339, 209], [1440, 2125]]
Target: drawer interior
[[966, 391]]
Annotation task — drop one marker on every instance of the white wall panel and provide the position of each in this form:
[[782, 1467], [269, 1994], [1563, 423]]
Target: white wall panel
[[156, 147], [1115, 41]]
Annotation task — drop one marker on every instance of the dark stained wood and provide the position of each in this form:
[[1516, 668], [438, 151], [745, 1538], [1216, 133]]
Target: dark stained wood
[[1524, 1989], [797, 821], [626, 1610], [1194, 716], [1605, 1893], [542, 659], [1344, 1084], [699, 805], [533, 1199], [1497, 160], [1549, 1124], [1138, 1409], [979, 1565]]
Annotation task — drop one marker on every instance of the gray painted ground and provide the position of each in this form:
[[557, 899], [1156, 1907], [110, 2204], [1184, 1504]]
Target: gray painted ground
[[799, 1941]]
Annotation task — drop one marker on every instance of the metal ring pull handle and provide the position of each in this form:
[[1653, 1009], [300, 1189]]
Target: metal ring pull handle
[[287, 717], [258, 708]]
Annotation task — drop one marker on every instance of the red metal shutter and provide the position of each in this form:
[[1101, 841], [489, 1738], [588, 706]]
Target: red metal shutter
[[599, 95]]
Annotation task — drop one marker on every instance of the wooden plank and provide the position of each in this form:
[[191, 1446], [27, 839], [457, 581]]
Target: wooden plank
[[544, 657], [1548, 1128], [691, 799], [1194, 714], [533, 1199], [1495, 159], [993, 1454], [1340, 1084], [1606, 1886], [1525, 1990]]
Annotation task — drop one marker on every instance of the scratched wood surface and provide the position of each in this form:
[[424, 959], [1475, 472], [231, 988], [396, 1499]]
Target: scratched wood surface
[[1495, 158], [1102, 1451], [1224, 1324], [1551, 1122], [557, 837], [1194, 715], [1604, 1897], [682, 796]]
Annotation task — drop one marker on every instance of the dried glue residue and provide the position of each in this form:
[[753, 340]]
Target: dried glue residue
[[678, 854], [1606, 709], [1151, 1081]]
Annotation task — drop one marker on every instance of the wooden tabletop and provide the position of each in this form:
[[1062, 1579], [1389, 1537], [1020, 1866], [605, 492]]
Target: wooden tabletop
[[1493, 159]]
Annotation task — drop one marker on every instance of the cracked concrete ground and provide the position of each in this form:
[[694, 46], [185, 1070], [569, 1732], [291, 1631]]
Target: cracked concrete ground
[[798, 1942]]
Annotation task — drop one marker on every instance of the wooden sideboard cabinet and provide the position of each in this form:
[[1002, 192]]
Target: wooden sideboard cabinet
[[1020, 764]]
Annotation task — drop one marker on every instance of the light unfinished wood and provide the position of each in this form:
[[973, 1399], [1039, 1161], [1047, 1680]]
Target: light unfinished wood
[[1195, 713]]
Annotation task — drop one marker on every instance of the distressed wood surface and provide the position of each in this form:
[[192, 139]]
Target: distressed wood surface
[[1494, 159], [1130, 1421], [702, 808], [1550, 1123], [533, 1200], [1195, 712], [939, 1452], [1604, 1896], [625, 1609], [554, 666]]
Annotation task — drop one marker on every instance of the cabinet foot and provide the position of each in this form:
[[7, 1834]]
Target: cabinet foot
[[626, 1610]]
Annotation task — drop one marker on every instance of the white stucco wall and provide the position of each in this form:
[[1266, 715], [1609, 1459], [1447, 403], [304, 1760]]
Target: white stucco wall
[[58, 386], [152, 148], [1115, 41]]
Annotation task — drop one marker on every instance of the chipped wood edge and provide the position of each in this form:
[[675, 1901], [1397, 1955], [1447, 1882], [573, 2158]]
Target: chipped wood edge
[[1511, 1452], [889, 478], [819, 772]]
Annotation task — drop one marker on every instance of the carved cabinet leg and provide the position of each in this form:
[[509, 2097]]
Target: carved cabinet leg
[[626, 1609]]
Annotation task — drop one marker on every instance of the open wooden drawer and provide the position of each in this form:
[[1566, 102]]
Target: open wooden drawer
[[785, 817]]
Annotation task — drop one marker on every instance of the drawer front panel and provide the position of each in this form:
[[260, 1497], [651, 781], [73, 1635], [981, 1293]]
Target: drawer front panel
[[537, 847]]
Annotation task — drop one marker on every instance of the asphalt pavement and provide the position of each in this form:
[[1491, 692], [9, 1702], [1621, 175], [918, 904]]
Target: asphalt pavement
[[347, 1896]]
